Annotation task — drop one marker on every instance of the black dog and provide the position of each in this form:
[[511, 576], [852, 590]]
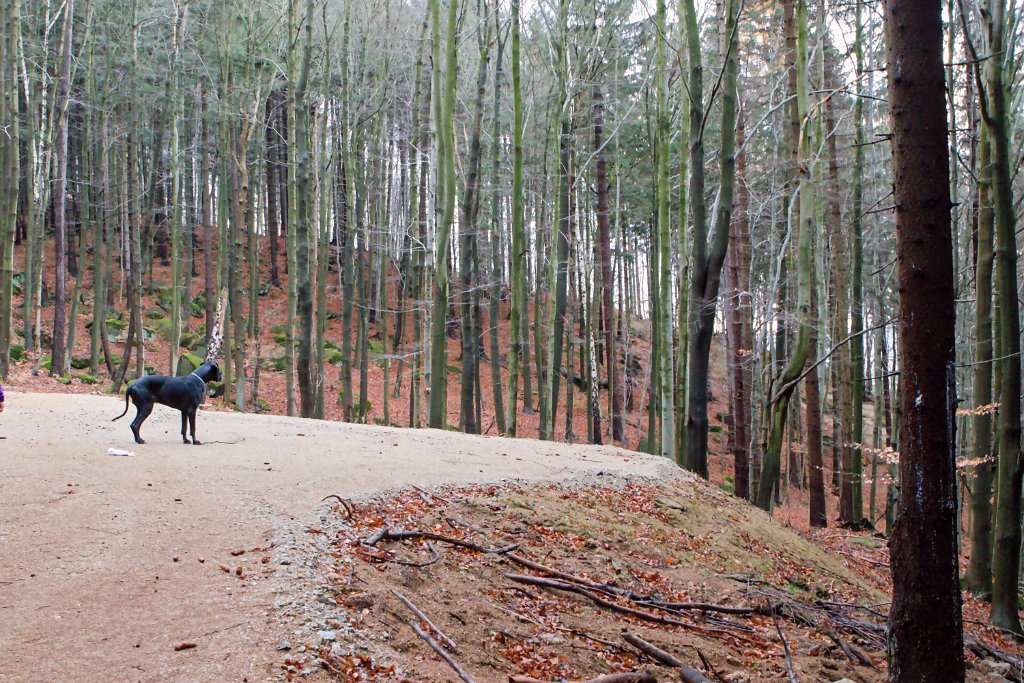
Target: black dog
[[184, 393]]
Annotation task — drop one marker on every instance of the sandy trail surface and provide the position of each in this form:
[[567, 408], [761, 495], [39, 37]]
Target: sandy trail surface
[[108, 563]]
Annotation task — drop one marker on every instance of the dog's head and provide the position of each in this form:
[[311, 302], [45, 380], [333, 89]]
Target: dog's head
[[211, 371]]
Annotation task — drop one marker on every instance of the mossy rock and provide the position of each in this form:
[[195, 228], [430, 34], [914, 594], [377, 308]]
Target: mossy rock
[[376, 346], [197, 306], [450, 427], [262, 406], [150, 369], [19, 282], [86, 378], [454, 369], [165, 299], [280, 363], [215, 389], [334, 357], [280, 334], [332, 345], [17, 353], [190, 340], [79, 363], [715, 429], [187, 363], [47, 363], [64, 379], [156, 313], [116, 323]]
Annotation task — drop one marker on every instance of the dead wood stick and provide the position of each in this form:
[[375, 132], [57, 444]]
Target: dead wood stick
[[702, 606], [608, 604], [375, 539], [402, 535], [350, 508], [709, 666], [431, 495], [621, 609], [643, 600], [631, 677], [449, 643], [551, 571], [686, 674], [789, 655], [652, 650], [852, 653], [432, 560], [442, 652]]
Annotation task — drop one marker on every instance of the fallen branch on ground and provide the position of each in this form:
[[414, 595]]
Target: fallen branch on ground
[[608, 678], [686, 674], [402, 535], [350, 508], [426, 620], [789, 655], [442, 652], [432, 560], [621, 609]]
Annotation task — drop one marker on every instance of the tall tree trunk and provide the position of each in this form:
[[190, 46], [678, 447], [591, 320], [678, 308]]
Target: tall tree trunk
[[60, 363], [10, 162], [740, 335], [925, 628], [782, 388], [494, 309], [618, 432], [978, 578], [708, 257], [518, 306], [663, 253], [444, 123], [300, 222]]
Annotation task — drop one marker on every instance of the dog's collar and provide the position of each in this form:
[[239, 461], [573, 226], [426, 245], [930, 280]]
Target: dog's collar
[[198, 377]]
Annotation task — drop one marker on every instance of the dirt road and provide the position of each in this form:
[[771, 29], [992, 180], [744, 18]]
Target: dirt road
[[108, 563]]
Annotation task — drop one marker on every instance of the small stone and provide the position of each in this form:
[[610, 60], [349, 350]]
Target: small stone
[[737, 677], [326, 635], [732, 661], [843, 680], [285, 561], [551, 638], [285, 645], [174, 559]]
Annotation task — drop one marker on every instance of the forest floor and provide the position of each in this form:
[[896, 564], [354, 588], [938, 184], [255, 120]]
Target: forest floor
[[110, 563], [229, 552]]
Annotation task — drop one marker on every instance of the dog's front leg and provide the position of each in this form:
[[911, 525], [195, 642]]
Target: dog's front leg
[[192, 424], [184, 424]]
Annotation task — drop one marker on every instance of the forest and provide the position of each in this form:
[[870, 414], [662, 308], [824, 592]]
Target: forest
[[773, 241]]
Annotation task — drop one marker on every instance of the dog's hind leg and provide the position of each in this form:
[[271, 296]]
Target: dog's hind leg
[[192, 424], [143, 411]]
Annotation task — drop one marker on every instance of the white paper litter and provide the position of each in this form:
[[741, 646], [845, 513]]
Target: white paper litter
[[118, 451]]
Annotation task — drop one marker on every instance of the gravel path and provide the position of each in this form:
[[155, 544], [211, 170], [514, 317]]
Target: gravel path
[[109, 563]]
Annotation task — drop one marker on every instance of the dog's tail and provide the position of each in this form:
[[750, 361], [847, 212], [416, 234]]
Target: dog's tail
[[127, 393]]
